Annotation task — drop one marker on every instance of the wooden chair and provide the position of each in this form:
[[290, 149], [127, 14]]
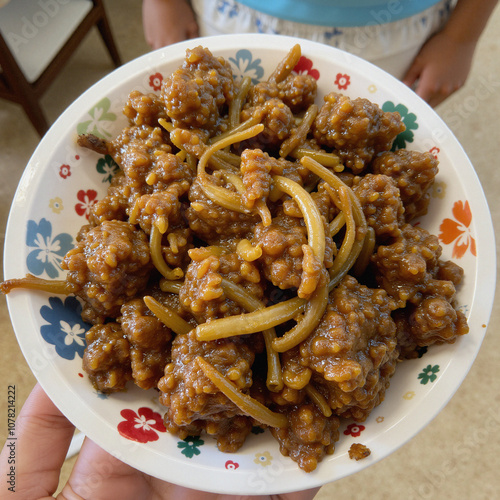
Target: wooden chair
[[36, 41]]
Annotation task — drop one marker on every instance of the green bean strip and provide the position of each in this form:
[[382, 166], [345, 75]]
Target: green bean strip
[[237, 103], [359, 218], [157, 256], [337, 224], [238, 294], [170, 286], [299, 135], [250, 122], [285, 67], [250, 406], [366, 252], [167, 316], [319, 400], [221, 196], [61, 287], [350, 233], [315, 308], [330, 160], [310, 212], [251, 322]]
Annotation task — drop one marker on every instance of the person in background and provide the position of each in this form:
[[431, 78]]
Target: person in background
[[428, 44]]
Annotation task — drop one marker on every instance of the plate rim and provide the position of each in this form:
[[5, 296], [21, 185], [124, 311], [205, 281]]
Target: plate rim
[[20, 300]]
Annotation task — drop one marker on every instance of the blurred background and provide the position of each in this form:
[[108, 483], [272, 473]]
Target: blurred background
[[457, 455]]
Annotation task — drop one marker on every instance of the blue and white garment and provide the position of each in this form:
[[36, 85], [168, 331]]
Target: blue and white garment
[[340, 13], [388, 34]]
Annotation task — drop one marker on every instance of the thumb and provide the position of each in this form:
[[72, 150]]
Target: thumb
[[42, 438]]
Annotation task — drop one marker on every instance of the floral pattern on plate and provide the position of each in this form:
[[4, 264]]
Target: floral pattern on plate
[[354, 430], [231, 465], [99, 120], [409, 119], [46, 251], [65, 329], [342, 81], [428, 374], [305, 66], [107, 167], [190, 446], [86, 200], [245, 65], [457, 231], [142, 426]]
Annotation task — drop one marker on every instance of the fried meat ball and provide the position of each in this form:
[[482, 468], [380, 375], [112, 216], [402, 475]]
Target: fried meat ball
[[409, 267], [381, 204], [282, 255], [433, 321], [110, 264], [414, 173], [198, 94], [136, 150], [352, 353], [188, 394], [215, 224], [309, 436], [278, 121], [144, 109], [106, 359], [202, 294], [149, 342], [297, 91], [356, 129]]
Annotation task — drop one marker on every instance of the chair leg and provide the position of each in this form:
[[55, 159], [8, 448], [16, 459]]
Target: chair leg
[[35, 114], [107, 37]]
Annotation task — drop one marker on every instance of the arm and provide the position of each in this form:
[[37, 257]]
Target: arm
[[443, 63], [167, 21]]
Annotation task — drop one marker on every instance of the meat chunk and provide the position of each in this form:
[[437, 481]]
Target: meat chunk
[[414, 173], [358, 451], [433, 321], [256, 167], [309, 437], [352, 353], [202, 293], [381, 203], [278, 121], [144, 109], [213, 223], [408, 269], [110, 264], [136, 149], [106, 359], [114, 205], [282, 253], [188, 394], [357, 129], [198, 94], [297, 91], [149, 341]]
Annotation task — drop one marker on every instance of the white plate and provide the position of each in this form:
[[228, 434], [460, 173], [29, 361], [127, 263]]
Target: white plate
[[62, 180]]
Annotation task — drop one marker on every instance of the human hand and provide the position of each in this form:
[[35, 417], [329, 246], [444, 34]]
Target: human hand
[[167, 21], [440, 68], [43, 435]]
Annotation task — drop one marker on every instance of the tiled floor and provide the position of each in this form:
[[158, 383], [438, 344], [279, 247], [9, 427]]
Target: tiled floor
[[456, 456]]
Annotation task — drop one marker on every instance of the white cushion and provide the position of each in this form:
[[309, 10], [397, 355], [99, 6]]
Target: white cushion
[[35, 30]]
